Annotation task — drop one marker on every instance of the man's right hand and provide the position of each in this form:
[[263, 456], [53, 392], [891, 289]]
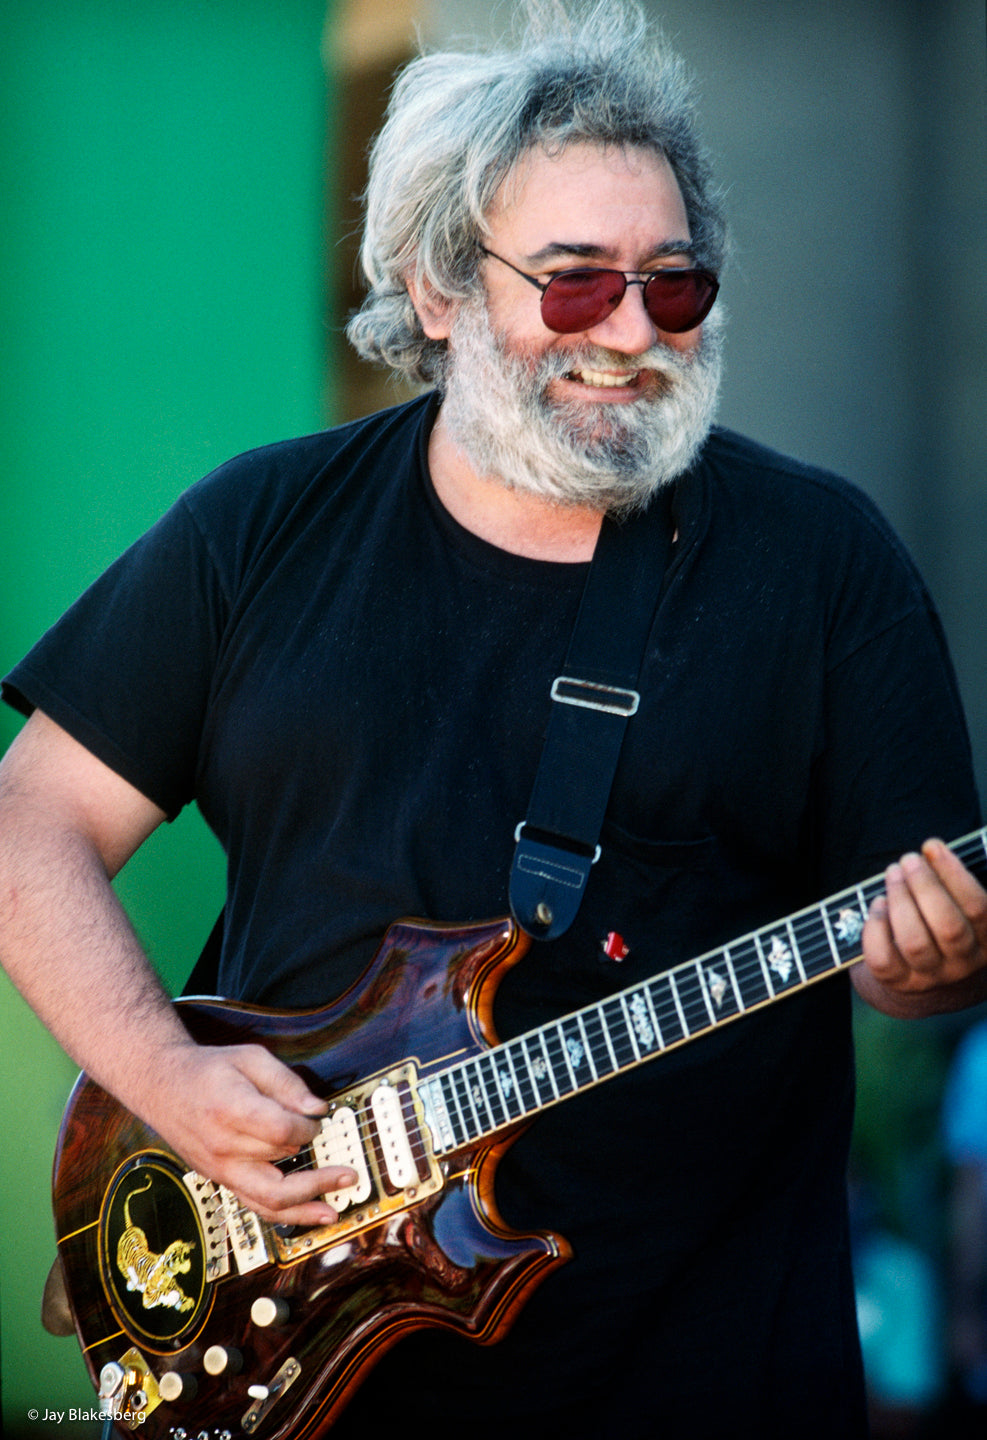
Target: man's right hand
[[232, 1112]]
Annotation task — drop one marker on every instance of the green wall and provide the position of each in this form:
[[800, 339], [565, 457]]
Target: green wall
[[161, 308]]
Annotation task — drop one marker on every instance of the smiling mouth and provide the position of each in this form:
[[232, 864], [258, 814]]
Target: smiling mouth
[[602, 379]]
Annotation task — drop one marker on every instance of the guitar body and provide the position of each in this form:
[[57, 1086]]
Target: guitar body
[[274, 1343], [198, 1319]]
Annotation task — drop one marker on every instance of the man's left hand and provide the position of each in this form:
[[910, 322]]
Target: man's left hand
[[925, 940]]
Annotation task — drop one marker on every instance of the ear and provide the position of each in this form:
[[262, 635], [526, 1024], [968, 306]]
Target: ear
[[433, 310]]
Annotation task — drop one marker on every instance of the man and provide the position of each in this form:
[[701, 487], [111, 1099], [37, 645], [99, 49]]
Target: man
[[370, 624]]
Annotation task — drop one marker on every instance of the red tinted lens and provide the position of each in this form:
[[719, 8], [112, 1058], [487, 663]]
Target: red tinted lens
[[579, 299], [679, 300]]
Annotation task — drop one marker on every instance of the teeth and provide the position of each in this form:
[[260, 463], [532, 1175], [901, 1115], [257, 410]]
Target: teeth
[[601, 378]]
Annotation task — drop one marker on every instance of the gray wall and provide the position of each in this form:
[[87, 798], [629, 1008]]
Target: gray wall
[[851, 136]]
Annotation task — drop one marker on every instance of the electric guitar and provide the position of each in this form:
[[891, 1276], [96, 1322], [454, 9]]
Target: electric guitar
[[197, 1318]]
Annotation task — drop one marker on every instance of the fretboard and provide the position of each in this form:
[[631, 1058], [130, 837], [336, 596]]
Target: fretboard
[[512, 1082]]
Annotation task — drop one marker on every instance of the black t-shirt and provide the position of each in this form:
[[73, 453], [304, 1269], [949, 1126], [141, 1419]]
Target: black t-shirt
[[354, 689]]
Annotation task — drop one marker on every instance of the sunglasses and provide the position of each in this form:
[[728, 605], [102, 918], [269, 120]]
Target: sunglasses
[[676, 299]]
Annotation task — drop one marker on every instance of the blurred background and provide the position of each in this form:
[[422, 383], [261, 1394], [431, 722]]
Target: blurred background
[[178, 257]]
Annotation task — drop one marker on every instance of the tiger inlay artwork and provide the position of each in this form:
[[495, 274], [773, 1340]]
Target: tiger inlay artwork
[[151, 1275]]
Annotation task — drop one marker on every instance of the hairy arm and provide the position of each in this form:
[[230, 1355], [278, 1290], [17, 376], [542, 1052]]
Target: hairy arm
[[67, 825]]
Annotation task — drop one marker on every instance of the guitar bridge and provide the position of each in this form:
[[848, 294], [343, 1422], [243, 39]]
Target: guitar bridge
[[375, 1128]]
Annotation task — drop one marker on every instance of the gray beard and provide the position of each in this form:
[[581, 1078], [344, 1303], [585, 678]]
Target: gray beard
[[608, 457]]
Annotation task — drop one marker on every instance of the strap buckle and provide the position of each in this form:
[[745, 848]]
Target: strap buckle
[[597, 852], [589, 695]]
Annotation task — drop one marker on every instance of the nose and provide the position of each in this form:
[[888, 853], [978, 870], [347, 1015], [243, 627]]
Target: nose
[[628, 328]]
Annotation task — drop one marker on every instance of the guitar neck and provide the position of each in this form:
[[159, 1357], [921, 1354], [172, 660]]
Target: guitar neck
[[516, 1080]]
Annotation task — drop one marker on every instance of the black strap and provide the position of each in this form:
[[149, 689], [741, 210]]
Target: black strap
[[592, 701]]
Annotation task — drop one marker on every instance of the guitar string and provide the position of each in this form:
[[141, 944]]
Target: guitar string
[[815, 952]]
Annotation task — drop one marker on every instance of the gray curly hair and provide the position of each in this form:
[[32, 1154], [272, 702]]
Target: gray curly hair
[[458, 124]]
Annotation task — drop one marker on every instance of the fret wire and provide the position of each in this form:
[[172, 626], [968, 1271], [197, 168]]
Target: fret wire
[[519, 1083], [764, 965], [612, 1012], [570, 1064], [483, 1085], [603, 1056], [467, 1092], [605, 1028], [558, 1072], [548, 1062], [734, 982], [810, 942], [588, 1047], [504, 1091], [796, 953], [455, 1100], [575, 1043], [631, 1034], [670, 1022], [690, 990], [654, 1017], [489, 1090], [513, 1102], [750, 974], [678, 1002], [704, 991], [532, 1072], [834, 948], [455, 1114]]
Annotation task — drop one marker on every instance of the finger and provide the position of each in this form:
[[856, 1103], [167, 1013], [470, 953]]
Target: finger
[[967, 892], [276, 1080], [232, 1116], [298, 1198], [952, 938], [909, 889], [879, 950]]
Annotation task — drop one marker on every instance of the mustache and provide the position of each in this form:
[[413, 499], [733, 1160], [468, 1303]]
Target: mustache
[[666, 364]]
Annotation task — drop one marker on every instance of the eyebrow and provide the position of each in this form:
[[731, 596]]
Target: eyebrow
[[556, 249]]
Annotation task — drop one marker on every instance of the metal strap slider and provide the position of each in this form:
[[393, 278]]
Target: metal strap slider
[[588, 695]]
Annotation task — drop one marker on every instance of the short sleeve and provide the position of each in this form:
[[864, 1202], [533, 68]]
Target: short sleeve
[[127, 670]]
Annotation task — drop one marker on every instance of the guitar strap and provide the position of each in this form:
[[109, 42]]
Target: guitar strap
[[557, 843]]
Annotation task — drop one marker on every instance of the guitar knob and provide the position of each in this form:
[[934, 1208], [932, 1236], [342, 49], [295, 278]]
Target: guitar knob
[[174, 1386], [222, 1360], [266, 1310]]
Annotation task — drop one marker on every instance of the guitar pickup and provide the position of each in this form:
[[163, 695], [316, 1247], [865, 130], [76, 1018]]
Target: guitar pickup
[[376, 1128], [338, 1143]]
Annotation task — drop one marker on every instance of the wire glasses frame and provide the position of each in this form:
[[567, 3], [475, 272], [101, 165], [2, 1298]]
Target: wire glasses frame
[[677, 299]]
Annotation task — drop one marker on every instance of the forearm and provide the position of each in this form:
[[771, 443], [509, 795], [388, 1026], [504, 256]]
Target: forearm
[[71, 951], [67, 824]]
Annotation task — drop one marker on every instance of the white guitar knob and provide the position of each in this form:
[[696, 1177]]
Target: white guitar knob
[[174, 1386], [222, 1360], [266, 1310]]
